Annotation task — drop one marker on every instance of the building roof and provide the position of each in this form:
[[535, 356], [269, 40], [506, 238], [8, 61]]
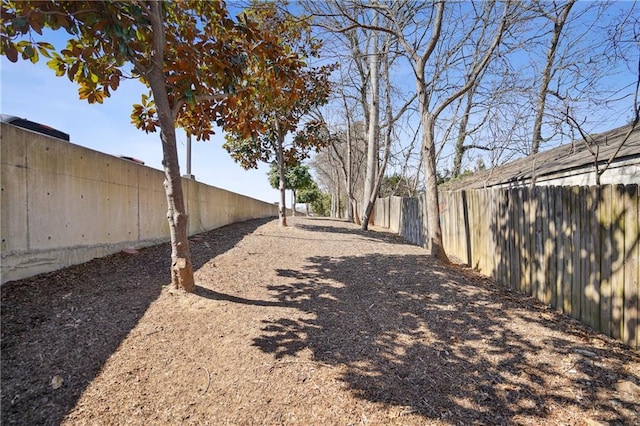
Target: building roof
[[572, 157]]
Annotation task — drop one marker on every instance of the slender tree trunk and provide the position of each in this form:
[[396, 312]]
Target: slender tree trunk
[[356, 213], [181, 267], [372, 133], [348, 172], [428, 117], [333, 204], [387, 136], [348, 177], [346, 169], [462, 133], [294, 202], [282, 207], [558, 24], [434, 243], [338, 195]]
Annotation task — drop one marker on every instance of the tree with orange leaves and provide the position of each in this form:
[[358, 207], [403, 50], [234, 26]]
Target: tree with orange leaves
[[190, 54], [287, 90]]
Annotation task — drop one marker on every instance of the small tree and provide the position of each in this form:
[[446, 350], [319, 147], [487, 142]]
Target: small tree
[[296, 177], [288, 89], [190, 55], [309, 195], [321, 206]]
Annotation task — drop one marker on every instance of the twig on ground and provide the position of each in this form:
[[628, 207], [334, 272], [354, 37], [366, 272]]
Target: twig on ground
[[281, 363], [208, 380]]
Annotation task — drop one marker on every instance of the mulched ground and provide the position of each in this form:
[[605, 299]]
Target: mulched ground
[[315, 324]]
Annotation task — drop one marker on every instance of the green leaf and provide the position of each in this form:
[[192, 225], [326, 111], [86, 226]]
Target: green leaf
[[45, 45], [34, 56], [44, 52], [189, 97], [28, 51], [58, 66]]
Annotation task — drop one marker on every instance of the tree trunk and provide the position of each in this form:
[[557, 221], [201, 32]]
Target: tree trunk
[[333, 205], [387, 140], [294, 202], [348, 175], [462, 133], [372, 133], [181, 267], [338, 195], [435, 244], [356, 213], [282, 207], [366, 215], [354, 208]]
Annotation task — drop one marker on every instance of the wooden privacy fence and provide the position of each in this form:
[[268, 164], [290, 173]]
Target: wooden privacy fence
[[406, 216], [576, 249]]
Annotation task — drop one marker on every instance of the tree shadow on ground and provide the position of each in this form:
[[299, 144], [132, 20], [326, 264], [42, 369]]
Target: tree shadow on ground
[[215, 295], [67, 323], [350, 229], [440, 342]]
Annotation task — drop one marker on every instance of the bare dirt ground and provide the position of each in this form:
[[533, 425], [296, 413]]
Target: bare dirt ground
[[316, 324]]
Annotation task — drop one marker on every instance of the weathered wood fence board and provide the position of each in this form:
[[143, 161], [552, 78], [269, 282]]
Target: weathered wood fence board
[[574, 248], [617, 262], [631, 266], [604, 217]]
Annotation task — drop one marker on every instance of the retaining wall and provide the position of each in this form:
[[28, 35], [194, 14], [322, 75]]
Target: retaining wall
[[63, 204]]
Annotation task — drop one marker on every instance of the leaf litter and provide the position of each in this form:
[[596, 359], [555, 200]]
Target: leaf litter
[[316, 323]]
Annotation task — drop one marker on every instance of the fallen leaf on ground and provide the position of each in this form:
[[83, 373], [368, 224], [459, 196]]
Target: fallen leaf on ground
[[57, 382]]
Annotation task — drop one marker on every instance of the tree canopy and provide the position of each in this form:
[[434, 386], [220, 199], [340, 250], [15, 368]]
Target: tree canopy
[[295, 177], [205, 53], [287, 90]]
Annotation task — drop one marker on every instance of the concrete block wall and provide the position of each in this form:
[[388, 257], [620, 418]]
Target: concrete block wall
[[63, 204]]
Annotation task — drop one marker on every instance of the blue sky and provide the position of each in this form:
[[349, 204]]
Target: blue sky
[[32, 91]]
